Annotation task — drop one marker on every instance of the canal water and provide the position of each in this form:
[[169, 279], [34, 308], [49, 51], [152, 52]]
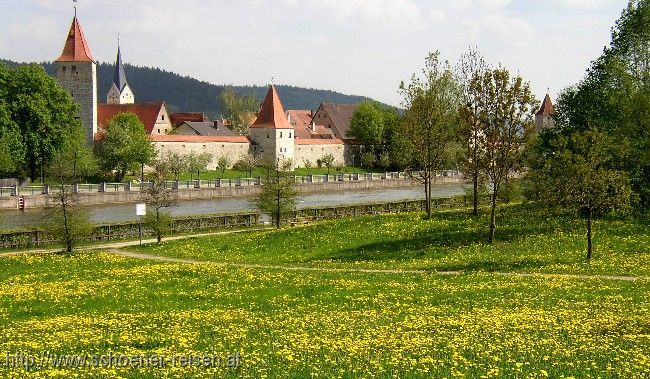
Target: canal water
[[114, 213]]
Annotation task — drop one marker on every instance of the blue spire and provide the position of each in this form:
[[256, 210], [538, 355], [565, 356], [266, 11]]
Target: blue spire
[[119, 78]]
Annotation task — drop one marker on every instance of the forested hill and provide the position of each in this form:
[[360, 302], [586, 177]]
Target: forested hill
[[182, 93]]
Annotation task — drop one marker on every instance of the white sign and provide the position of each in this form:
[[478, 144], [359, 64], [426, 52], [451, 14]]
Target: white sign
[[141, 209]]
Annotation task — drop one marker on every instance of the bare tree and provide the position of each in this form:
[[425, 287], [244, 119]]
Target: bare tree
[[470, 71], [159, 198], [67, 220], [278, 195]]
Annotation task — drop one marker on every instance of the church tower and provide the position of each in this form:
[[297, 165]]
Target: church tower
[[544, 117], [120, 92], [76, 71]]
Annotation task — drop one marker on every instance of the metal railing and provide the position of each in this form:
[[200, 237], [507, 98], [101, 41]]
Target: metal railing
[[213, 183]]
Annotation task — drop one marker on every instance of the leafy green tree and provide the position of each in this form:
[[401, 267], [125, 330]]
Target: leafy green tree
[[506, 110], [424, 138], [197, 162], [367, 124], [38, 110], [173, 163], [614, 97], [368, 159], [247, 164], [328, 161], [575, 173], [278, 195], [124, 145], [238, 109], [12, 152], [223, 163]]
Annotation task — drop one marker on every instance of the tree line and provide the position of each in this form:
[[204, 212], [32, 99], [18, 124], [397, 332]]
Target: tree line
[[480, 118]]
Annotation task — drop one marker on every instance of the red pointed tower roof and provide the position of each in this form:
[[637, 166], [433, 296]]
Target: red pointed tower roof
[[547, 107], [272, 113], [76, 48]]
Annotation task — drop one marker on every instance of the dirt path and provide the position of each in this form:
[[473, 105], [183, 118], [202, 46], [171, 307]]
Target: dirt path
[[120, 245], [115, 247], [130, 254]]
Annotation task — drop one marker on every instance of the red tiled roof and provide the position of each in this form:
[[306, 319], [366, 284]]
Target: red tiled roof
[[76, 48], [183, 138], [272, 113], [315, 141], [301, 121], [180, 117], [547, 107], [146, 112]]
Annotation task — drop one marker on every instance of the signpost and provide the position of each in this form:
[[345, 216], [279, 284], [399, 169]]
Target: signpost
[[140, 210]]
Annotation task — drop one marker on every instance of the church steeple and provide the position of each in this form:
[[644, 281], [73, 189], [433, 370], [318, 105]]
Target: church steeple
[[119, 77], [120, 92]]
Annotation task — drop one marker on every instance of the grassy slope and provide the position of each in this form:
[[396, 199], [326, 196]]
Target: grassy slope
[[528, 240], [291, 324]]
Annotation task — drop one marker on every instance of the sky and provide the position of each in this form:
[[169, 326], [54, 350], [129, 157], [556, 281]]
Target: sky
[[361, 47]]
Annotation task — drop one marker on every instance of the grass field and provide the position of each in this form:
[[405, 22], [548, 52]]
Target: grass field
[[298, 324], [527, 240]]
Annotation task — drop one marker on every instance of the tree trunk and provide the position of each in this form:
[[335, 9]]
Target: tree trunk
[[158, 228], [589, 246], [493, 215], [430, 211], [142, 173], [475, 194]]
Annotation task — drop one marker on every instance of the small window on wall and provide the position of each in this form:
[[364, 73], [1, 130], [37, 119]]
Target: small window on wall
[[268, 135], [280, 134], [223, 145], [158, 131], [74, 68], [64, 68], [162, 117], [289, 135], [204, 146]]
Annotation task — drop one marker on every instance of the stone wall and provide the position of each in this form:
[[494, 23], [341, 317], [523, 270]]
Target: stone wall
[[233, 150], [313, 152], [80, 80], [95, 198]]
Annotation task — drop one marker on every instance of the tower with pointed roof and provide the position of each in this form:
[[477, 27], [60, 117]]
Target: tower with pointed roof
[[76, 71], [271, 132], [120, 92], [544, 117]]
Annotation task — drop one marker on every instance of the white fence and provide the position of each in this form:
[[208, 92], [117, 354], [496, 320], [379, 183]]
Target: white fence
[[194, 184]]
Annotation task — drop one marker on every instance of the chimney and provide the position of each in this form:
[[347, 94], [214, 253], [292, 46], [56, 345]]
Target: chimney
[[311, 113], [216, 124], [312, 126]]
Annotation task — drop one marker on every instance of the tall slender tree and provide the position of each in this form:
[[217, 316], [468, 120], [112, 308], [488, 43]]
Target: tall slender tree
[[506, 110], [428, 130], [470, 71]]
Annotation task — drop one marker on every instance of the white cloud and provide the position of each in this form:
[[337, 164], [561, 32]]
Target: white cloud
[[402, 13], [495, 4], [437, 15], [514, 31]]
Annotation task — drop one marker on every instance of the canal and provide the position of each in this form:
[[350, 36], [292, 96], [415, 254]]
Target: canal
[[114, 213]]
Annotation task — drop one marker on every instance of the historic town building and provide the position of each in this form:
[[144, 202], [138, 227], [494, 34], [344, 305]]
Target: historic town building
[[544, 117], [76, 71]]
